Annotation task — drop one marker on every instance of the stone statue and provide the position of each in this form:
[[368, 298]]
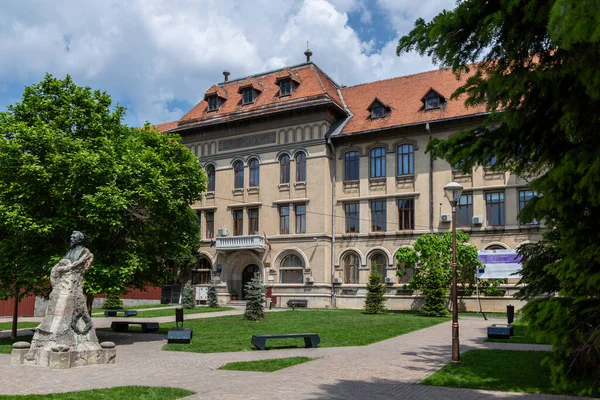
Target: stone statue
[[67, 330]]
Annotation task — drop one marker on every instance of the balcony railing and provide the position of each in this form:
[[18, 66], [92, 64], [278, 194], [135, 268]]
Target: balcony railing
[[254, 242]]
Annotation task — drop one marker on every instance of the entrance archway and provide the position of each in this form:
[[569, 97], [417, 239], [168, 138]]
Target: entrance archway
[[247, 276]]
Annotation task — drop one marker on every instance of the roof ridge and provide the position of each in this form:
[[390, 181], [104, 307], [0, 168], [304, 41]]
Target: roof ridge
[[264, 73], [319, 79], [397, 77]]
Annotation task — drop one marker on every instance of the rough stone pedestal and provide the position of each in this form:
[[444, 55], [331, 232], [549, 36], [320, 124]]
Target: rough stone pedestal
[[62, 357]]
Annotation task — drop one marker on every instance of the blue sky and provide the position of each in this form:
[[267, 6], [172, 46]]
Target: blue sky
[[158, 57]]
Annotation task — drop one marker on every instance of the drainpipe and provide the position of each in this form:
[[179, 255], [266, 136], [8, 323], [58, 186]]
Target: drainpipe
[[333, 201], [428, 129]]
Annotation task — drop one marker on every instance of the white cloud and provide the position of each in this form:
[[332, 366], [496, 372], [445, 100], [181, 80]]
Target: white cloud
[[149, 54]]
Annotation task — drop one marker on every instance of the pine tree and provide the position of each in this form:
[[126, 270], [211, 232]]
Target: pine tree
[[255, 295], [187, 298], [375, 301], [113, 302], [213, 302]]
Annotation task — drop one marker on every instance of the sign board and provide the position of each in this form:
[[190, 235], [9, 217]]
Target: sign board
[[201, 293], [499, 264]]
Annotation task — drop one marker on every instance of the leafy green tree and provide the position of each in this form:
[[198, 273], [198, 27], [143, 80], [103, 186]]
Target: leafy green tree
[[188, 300], [255, 296], [112, 302], [375, 300], [68, 162], [431, 258], [536, 73], [213, 301]]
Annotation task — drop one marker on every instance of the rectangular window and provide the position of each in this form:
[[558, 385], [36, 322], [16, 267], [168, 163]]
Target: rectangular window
[[248, 95], [210, 224], [495, 208], [406, 213], [406, 273], [253, 221], [238, 222], [525, 197], [212, 103], [284, 220], [351, 160], [377, 161], [301, 218], [378, 216], [200, 277], [464, 211], [352, 217], [285, 87], [406, 159]]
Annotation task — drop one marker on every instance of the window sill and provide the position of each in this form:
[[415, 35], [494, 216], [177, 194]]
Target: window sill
[[209, 195], [299, 185], [405, 178], [377, 180], [253, 189], [459, 174], [237, 192], [405, 232], [378, 233], [284, 187], [352, 182]]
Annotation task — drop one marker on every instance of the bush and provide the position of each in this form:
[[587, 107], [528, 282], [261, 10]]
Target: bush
[[113, 302], [375, 300], [187, 298], [213, 301], [255, 296], [490, 287]]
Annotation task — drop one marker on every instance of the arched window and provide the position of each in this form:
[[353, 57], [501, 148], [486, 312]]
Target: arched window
[[238, 169], [378, 261], [291, 269], [377, 163], [210, 173], [300, 167], [254, 168], [284, 169], [406, 159], [351, 163], [495, 247], [201, 271], [351, 268]]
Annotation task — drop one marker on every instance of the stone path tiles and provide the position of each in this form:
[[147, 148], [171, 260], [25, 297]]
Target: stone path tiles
[[389, 369]]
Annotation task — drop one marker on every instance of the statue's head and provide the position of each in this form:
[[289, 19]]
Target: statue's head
[[76, 238]]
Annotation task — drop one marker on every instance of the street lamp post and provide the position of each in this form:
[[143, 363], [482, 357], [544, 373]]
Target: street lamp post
[[453, 191]]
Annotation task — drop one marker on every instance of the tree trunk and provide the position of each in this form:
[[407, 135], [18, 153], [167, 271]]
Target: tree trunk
[[89, 303], [15, 322]]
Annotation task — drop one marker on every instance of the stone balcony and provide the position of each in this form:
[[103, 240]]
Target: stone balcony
[[248, 242]]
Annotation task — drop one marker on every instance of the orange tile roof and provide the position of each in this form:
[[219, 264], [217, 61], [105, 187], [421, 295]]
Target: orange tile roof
[[314, 86], [403, 95], [166, 126]]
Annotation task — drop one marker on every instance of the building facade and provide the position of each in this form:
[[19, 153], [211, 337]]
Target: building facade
[[311, 183]]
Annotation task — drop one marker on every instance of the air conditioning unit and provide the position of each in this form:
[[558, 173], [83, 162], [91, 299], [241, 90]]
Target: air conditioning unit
[[389, 279], [477, 220], [337, 280], [310, 279], [223, 232], [446, 218]]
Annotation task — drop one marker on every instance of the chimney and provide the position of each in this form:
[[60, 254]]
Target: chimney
[[308, 53], [226, 75]]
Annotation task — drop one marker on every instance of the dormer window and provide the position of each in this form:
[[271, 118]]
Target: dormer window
[[432, 100], [285, 87], [378, 109], [248, 95], [213, 103]]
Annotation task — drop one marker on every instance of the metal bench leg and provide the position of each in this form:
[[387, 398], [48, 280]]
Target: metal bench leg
[[308, 342]]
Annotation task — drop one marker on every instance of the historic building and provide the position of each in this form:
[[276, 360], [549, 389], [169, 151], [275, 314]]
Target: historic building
[[310, 183]]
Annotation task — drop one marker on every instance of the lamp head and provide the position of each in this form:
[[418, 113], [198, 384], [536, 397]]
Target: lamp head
[[453, 191]]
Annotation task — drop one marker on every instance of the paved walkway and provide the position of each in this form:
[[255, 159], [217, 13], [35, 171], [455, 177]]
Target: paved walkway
[[383, 370]]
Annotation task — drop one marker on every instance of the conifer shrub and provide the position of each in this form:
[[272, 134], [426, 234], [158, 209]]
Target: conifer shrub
[[187, 298], [113, 302], [375, 300], [255, 296], [213, 301]]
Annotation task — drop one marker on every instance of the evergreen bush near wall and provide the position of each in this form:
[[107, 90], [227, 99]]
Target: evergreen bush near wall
[[213, 302], [255, 296], [375, 300], [113, 302], [187, 297]]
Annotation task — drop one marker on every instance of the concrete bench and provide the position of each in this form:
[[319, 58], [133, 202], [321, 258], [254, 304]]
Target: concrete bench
[[297, 303], [126, 313], [123, 326], [310, 339], [498, 331]]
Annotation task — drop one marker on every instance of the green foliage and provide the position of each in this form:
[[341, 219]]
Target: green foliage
[[255, 299], [213, 301], [113, 302], [375, 300], [537, 75], [119, 392], [490, 287], [431, 258], [270, 365], [188, 298], [68, 162]]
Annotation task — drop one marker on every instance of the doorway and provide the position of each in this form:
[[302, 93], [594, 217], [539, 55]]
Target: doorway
[[247, 276]]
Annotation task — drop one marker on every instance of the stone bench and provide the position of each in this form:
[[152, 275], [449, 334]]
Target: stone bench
[[310, 339], [126, 313], [297, 303], [123, 326]]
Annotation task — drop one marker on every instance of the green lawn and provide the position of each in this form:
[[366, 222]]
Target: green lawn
[[335, 327], [122, 392], [7, 326], [271, 365], [504, 370], [521, 335], [170, 312], [6, 343], [138, 307]]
